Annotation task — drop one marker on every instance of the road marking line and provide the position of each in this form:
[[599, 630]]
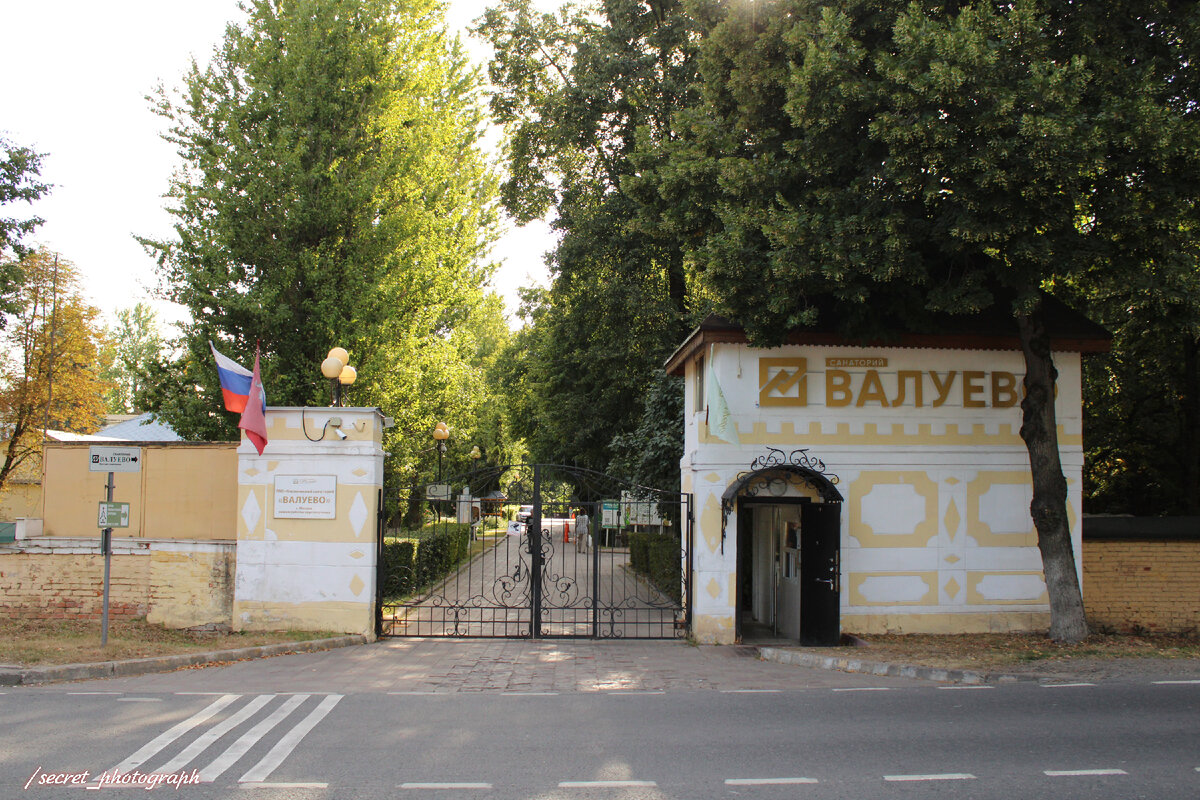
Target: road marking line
[[865, 689], [249, 739], [139, 699], [260, 771], [605, 784], [82, 694], [1175, 683], [767, 781], [210, 736], [1063, 685], [173, 733], [966, 687], [1075, 773], [629, 692], [286, 785], [529, 694], [750, 691], [444, 785], [199, 694], [945, 776]]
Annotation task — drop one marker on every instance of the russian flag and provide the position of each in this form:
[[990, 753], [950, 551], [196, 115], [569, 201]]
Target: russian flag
[[235, 381]]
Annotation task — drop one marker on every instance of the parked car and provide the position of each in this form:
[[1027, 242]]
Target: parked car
[[524, 513]]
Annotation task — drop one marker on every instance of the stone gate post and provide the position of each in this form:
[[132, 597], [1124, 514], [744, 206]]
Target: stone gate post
[[306, 522]]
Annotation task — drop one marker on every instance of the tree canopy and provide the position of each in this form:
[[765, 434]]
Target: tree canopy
[[910, 158], [50, 378], [127, 354], [332, 193], [581, 93]]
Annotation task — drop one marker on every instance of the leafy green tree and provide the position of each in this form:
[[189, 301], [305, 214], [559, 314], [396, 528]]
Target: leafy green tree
[[915, 158], [126, 355], [20, 169], [50, 378], [580, 94], [649, 455], [1142, 399], [333, 194]]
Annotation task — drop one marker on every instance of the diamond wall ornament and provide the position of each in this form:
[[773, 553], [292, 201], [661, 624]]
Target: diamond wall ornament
[[251, 511], [358, 514], [952, 519]]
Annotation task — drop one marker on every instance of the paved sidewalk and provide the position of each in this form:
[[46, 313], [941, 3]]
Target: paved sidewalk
[[437, 666]]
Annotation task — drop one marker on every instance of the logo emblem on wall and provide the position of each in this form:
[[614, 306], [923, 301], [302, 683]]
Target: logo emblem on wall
[[783, 382]]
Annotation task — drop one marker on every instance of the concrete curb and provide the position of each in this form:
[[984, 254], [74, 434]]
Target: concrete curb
[[142, 666], [844, 664]]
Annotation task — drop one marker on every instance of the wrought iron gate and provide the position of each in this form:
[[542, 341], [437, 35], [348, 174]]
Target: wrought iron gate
[[533, 551]]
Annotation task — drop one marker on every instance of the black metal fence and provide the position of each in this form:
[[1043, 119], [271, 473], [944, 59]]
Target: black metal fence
[[534, 551]]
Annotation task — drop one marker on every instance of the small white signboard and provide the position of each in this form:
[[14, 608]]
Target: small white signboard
[[305, 497], [610, 514], [113, 515], [114, 459], [437, 491]]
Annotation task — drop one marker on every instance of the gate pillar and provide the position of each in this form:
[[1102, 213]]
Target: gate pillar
[[306, 550]]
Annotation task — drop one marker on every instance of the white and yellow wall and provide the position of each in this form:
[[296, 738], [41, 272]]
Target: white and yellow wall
[[936, 534], [314, 573]]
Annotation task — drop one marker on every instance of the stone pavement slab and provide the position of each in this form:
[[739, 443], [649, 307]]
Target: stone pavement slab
[[436, 666]]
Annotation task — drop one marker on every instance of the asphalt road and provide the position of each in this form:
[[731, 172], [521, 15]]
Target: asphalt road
[[266, 730]]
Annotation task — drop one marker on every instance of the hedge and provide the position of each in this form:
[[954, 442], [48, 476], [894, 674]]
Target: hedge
[[657, 557], [423, 558]]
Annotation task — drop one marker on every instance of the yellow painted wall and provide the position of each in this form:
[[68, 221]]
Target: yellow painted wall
[[185, 490], [21, 499]]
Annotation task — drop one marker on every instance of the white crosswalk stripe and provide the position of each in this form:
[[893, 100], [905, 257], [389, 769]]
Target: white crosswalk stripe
[[223, 718]]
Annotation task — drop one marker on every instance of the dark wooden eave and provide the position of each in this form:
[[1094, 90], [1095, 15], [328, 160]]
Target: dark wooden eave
[[995, 329]]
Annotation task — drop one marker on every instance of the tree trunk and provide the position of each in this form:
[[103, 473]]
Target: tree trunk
[[1039, 429]]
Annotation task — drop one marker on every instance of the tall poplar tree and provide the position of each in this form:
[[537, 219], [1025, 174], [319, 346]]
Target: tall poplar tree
[[908, 158], [332, 193]]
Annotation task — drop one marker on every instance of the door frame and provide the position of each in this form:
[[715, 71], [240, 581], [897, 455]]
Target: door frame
[[742, 568]]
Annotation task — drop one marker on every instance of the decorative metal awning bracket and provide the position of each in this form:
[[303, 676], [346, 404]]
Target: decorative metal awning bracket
[[796, 468]]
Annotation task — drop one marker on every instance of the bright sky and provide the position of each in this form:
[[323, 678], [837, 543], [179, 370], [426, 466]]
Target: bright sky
[[75, 76]]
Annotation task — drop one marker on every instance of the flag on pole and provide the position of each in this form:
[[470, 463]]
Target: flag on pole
[[235, 381], [254, 416], [720, 419]]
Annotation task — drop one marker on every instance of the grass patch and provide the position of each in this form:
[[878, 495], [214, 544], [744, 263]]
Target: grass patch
[[28, 643], [996, 650]]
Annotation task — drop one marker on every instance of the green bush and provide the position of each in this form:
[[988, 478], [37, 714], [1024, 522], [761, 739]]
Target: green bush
[[639, 552], [440, 550], [656, 556], [399, 578], [423, 557]]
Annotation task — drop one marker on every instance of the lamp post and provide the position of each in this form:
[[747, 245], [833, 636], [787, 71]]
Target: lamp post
[[475, 456], [440, 434], [338, 370]]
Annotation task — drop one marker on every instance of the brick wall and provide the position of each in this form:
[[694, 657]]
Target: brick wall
[[1150, 585], [173, 584], [57, 586]]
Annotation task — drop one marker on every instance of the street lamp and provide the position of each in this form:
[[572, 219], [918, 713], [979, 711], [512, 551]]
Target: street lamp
[[440, 434], [338, 370]]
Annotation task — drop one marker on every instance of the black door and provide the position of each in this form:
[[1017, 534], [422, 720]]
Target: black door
[[820, 542]]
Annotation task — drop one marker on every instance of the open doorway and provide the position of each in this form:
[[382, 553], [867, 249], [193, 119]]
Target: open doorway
[[788, 561]]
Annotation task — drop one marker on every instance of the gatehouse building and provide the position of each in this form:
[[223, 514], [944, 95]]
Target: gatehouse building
[[848, 487]]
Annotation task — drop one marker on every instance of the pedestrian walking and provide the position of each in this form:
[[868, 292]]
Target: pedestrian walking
[[583, 535]]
